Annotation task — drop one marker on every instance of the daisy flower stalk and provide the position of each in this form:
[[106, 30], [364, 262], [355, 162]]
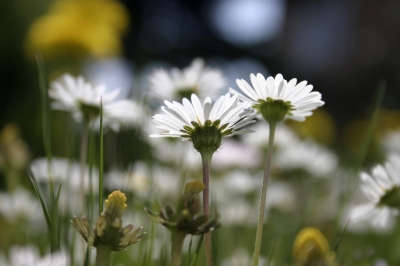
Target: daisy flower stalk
[[205, 125], [86, 102], [275, 99], [196, 78], [382, 188]]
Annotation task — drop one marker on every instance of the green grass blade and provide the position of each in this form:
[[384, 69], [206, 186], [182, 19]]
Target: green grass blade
[[340, 237], [45, 110], [196, 255], [101, 160], [56, 236], [44, 208]]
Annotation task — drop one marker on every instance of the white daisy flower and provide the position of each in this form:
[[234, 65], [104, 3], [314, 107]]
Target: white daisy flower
[[307, 155], [30, 256], [382, 189], [176, 83], [83, 100], [277, 99], [205, 124], [67, 173]]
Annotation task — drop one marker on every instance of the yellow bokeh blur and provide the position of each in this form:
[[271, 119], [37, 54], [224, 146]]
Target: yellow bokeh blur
[[79, 28], [320, 127]]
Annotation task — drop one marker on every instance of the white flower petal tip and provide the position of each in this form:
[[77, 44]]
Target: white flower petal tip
[[299, 98], [175, 83]]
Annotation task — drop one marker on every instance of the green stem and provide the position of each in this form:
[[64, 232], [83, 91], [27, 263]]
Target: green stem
[[83, 158], [103, 253], [260, 224], [177, 238], [206, 159]]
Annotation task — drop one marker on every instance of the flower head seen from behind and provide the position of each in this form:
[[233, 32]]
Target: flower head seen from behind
[[276, 99], [382, 188], [176, 83], [204, 124], [109, 230], [84, 100]]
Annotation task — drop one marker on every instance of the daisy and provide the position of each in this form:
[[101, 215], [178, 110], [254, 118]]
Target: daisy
[[83, 100], [277, 99], [204, 124], [176, 83], [382, 188]]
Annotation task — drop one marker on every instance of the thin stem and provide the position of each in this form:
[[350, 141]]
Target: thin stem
[[177, 238], [260, 224], [83, 158], [103, 253], [206, 159]]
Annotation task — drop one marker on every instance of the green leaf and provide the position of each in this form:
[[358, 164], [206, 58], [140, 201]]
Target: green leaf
[[44, 208], [101, 160]]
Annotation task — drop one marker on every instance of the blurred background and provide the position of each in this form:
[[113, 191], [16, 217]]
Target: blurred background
[[346, 49], [343, 48]]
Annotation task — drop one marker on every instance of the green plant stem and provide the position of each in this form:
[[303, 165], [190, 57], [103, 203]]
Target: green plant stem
[[103, 253], [83, 158], [206, 159], [260, 224], [177, 238]]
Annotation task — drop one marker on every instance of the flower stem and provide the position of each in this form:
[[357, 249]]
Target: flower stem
[[260, 224], [103, 252], [177, 238], [83, 158], [206, 159]]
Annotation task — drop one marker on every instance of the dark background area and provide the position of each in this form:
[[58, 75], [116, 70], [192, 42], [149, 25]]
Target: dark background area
[[344, 48]]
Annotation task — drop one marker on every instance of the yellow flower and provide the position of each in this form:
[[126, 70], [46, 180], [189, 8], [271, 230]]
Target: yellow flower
[[311, 248], [79, 28]]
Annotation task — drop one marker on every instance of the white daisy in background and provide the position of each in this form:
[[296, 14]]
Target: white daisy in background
[[205, 124], [83, 100], [277, 99], [176, 83], [236, 185], [307, 155], [175, 154], [68, 173], [22, 204], [135, 179], [30, 256], [284, 136], [241, 257], [235, 154], [382, 188]]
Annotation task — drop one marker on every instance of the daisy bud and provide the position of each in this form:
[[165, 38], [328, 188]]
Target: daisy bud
[[109, 231]]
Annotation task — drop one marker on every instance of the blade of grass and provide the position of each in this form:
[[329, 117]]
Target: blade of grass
[[187, 261], [196, 255], [340, 237], [57, 231], [45, 109], [44, 208], [362, 154], [101, 160]]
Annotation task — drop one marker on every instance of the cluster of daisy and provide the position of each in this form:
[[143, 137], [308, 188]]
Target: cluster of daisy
[[205, 122]]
